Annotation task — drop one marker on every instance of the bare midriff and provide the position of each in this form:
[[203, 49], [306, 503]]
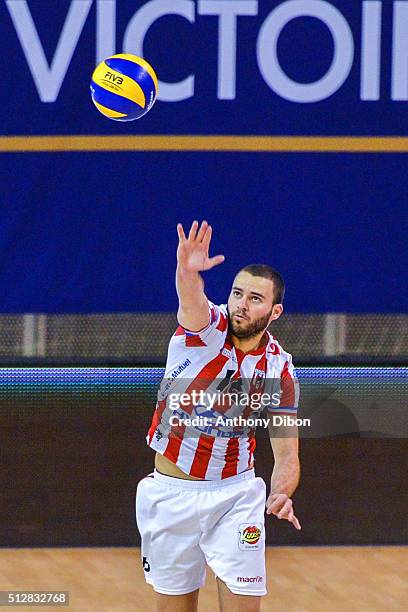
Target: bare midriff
[[167, 467]]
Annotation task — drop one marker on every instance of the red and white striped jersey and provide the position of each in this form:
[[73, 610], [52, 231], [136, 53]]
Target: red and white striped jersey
[[207, 361]]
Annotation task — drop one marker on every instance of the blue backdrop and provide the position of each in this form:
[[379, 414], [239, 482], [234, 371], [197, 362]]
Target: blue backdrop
[[96, 231]]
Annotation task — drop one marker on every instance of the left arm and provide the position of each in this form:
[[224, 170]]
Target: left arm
[[285, 475]]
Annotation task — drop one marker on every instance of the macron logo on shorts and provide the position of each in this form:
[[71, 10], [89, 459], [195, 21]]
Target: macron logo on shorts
[[146, 564], [249, 578]]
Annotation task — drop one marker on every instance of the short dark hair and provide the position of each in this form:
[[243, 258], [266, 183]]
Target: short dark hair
[[267, 271]]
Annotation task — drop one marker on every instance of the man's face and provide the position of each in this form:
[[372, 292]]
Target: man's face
[[250, 305]]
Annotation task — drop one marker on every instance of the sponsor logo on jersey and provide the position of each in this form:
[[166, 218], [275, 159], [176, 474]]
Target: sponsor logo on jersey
[[249, 536], [167, 382], [206, 413], [206, 421], [181, 367]]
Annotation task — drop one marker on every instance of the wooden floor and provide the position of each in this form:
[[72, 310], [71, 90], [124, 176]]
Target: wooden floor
[[312, 579]]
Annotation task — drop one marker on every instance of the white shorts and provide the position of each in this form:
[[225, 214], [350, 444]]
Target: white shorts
[[186, 524]]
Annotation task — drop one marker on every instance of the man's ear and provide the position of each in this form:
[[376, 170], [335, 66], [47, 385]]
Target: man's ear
[[277, 310]]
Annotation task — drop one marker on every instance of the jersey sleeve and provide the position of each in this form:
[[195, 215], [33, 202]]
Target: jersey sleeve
[[288, 391], [216, 327]]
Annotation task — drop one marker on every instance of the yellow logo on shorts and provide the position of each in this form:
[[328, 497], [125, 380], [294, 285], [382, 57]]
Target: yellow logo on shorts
[[250, 535]]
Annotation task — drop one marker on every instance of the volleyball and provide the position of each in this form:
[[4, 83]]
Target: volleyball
[[124, 87]]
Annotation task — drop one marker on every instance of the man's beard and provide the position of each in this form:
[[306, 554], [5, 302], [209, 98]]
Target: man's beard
[[251, 330]]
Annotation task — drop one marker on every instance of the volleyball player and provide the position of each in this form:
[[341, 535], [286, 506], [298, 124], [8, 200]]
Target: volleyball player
[[203, 504]]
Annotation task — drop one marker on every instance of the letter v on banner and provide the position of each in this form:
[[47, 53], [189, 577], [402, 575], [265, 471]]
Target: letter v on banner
[[48, 80]]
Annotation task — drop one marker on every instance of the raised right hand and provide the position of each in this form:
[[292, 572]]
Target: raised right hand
[[192, 252]]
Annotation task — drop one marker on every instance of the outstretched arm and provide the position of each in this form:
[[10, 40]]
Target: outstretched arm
[[193, 258], [285, 476]]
